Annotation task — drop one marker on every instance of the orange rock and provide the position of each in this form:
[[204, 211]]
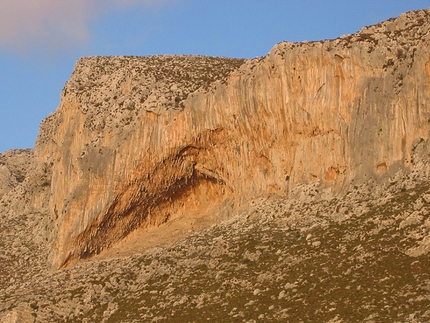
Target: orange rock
[[137, 142]]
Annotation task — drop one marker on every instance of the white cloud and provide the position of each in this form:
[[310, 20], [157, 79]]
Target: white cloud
[[52, 24]]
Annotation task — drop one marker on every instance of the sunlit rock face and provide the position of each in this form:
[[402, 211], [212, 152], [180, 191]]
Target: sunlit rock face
[[139, 141]]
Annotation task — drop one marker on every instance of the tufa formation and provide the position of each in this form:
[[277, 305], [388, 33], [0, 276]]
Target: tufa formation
[[288, 188], [137, 142]]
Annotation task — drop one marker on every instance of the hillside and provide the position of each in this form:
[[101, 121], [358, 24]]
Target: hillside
[[291, 187], [362, 257]]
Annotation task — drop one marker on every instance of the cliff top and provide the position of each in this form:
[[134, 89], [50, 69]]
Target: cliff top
[[177, 75], [111, 90]]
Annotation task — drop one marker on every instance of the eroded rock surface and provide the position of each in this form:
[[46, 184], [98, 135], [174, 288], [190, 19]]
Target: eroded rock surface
[[288, 187], [318, 257], [14, 165], [138, 141]]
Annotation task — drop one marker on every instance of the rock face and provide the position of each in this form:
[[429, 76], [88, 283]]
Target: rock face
[[14, 165], [137, 142], [318, 155], [359, 257]]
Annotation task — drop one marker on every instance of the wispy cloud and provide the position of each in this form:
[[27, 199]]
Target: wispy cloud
[[53, 24]]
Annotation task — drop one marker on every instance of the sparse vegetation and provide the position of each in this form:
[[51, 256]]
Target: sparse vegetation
[[155, 82], [313, 256], [348, 256]]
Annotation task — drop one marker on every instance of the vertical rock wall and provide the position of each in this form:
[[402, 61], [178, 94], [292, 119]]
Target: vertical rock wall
[[138, 141]]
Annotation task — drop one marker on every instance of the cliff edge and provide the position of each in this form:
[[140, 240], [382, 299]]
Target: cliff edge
[[140, 141]]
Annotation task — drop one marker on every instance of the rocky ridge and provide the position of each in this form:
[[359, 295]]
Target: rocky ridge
[[334, 132], [125, 154], [111, 91]]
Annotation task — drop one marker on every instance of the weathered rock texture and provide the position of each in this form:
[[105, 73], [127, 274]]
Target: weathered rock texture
[[359, 257], [337, 130], [13, 169], [137, 142]]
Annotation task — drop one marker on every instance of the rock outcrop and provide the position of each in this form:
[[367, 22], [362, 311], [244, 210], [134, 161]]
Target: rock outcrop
[[137, 142], [318, 155], [359, 257], [14, 165]]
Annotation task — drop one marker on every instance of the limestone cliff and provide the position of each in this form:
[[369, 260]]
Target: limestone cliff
[[137, 142]]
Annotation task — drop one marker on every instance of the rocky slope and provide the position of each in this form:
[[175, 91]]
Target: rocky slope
[[138, 141], [13, 169], [145, 151], [361, 257]]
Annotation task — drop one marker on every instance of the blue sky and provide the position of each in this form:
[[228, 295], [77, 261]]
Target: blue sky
[[40, 40]]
